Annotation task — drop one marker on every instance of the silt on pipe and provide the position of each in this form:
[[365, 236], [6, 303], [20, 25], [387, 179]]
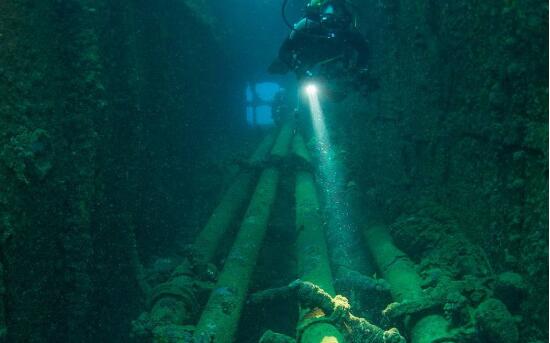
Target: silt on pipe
[[311, 246], [399, 272], [220, 318], [229, 207], [172, 303]]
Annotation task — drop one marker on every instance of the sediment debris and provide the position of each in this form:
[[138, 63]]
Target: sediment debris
[[336, 311], [453, 279]]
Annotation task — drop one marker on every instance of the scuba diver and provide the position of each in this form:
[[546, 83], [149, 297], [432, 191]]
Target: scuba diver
[[325, 44]]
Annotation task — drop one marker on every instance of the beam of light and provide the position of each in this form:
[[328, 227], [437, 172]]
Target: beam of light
[[318, 119], [341, 232], [311, 89]]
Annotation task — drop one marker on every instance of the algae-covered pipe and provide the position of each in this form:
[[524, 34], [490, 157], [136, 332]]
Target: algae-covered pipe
[[405, 283], [173, 303], [220, 318], [230, 206], [311, 247]]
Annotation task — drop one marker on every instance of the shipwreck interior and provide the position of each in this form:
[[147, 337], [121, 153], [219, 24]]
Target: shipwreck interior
[[155, 188]]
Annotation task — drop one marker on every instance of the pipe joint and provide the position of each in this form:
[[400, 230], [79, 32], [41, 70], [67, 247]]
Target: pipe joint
[[181, 288]]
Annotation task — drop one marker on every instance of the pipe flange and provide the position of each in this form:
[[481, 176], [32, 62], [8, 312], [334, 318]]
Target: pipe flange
[[182, 270], [183, 292]]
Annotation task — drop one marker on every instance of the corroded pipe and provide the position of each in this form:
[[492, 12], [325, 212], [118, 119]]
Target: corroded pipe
[[311, 248], [324, 317], [405, 283], [229, 208], [174, 302], [220, 318], [331, 312]]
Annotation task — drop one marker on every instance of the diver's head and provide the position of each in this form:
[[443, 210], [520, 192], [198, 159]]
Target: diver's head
[[313, 8], [330, 13], [315, 3]]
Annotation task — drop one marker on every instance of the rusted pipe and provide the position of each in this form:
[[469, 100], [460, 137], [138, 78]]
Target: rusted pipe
[[311, 248], [220, 318], [230, 206], [174, 302], [405, 283]]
